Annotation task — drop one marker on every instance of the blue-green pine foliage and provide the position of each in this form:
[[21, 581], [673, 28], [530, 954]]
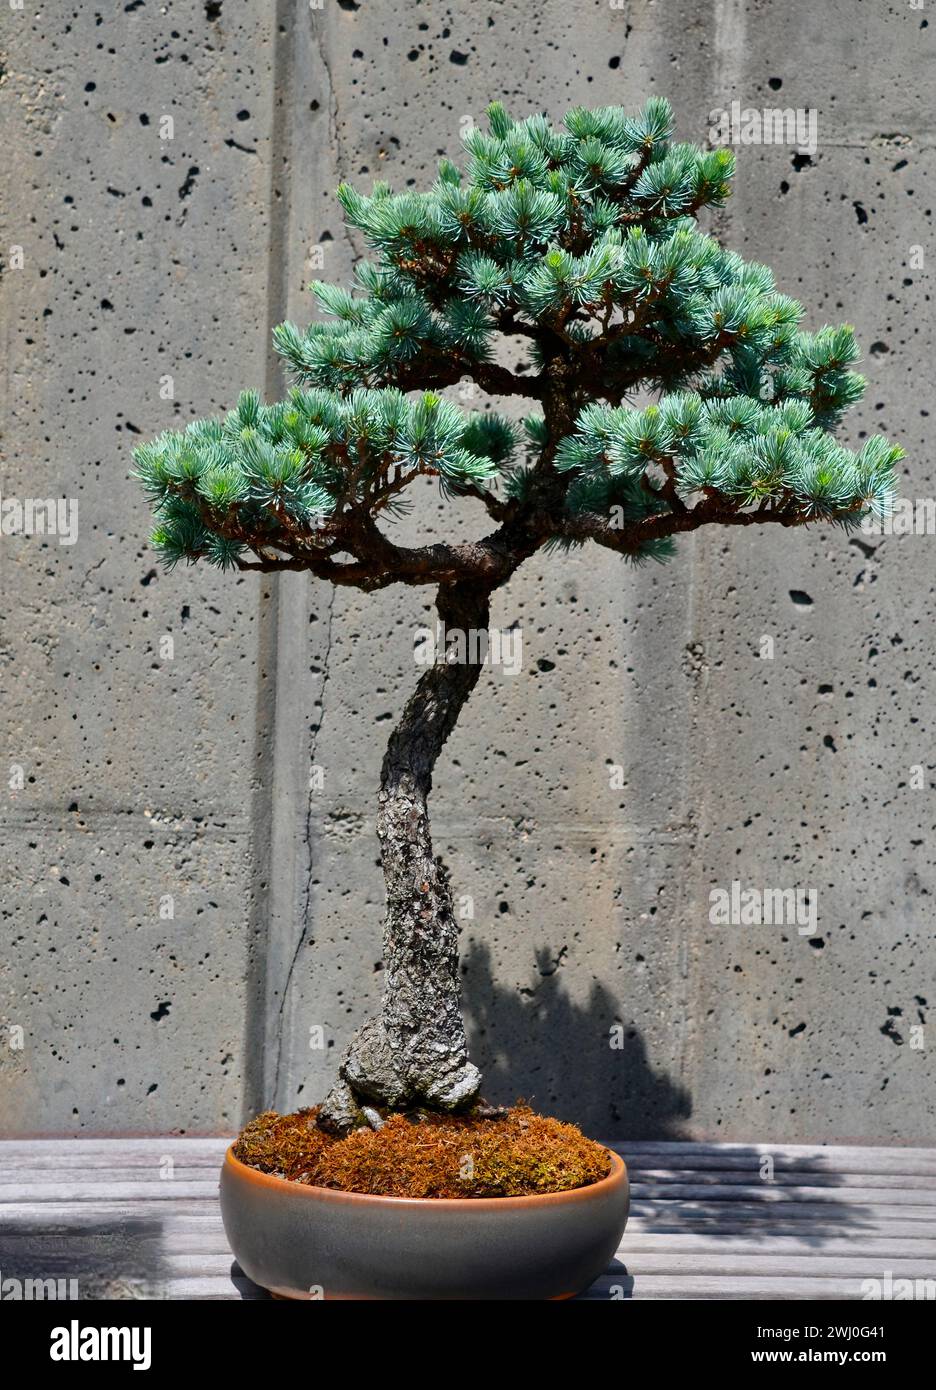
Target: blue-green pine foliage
[[588, 235]]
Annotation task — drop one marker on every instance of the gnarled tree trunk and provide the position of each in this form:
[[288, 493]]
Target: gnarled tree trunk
[[414, 1052]]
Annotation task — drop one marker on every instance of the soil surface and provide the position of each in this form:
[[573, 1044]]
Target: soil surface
[[422, 1154]]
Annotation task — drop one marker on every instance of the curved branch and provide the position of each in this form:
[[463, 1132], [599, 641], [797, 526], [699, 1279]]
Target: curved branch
[[489, 560], [356, 575], [713, 510], [424, 372]]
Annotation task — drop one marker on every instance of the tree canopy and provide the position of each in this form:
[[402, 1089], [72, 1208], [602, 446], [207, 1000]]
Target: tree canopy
[[579, 247]]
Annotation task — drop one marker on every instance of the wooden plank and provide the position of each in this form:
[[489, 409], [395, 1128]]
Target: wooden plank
[[148, 1175], [818, 1265], [794, 1222], [752, 1200], [218, 1263], [170, 1143], [636, 1244], [703, 1224], [12, 1166], [38, 1192], [192, 1211], [701, 1286], [16, 1245], [764, 1233], [766, 1192], [848, 1155], [718, 1177], [755, 1163], [897, 1162]]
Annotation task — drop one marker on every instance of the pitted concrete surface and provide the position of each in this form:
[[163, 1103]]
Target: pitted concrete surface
[[755, 712]]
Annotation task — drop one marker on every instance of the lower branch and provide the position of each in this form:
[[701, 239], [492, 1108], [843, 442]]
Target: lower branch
[[628, 539]]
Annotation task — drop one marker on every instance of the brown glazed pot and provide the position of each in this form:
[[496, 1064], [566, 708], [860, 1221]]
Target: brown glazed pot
[[314, 1242]]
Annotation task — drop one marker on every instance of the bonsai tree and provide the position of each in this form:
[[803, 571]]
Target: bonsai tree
[[579, 246]]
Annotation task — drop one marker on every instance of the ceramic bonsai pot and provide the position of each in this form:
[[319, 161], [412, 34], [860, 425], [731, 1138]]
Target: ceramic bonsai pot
[[314, 1242]]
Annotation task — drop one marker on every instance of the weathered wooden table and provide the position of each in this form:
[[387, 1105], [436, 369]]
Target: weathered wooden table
[[139, 1218]]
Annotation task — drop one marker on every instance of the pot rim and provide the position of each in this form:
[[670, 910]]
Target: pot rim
[[616, 1178]]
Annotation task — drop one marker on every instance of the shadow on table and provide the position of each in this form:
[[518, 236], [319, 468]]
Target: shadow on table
[[247, 1289], [85, 1258], [537, 1042]]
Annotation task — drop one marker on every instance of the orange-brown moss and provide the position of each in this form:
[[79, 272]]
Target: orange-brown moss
[[427, 1155]]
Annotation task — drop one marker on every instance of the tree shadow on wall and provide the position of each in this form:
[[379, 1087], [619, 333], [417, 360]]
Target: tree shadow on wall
[[540, 1044]]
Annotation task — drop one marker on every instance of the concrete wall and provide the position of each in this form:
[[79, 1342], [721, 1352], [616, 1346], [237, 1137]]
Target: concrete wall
[[146, 776]]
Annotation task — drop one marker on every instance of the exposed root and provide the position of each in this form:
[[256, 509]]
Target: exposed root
[[374, 1079]]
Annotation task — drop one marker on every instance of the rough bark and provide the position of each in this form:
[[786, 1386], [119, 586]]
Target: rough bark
[[415, 1051]]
